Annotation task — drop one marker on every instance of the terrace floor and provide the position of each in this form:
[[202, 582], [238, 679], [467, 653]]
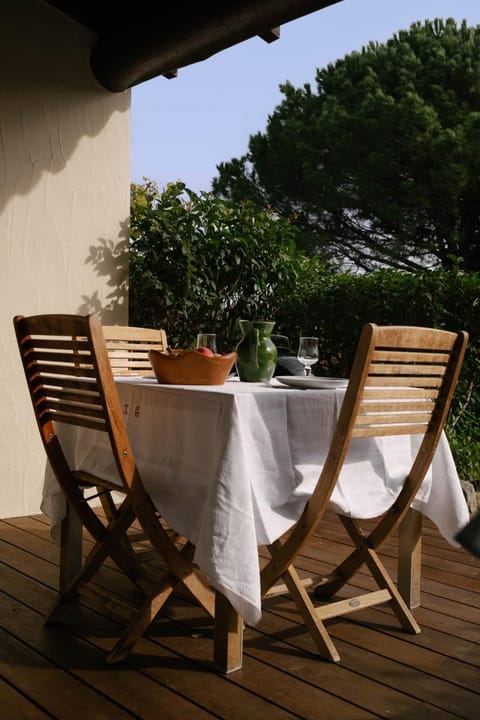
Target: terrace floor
[[60, 672]]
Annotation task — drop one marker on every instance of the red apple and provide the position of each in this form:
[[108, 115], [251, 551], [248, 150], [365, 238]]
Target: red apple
[[205, 351]]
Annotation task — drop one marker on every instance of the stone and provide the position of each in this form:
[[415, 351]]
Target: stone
[[470, 495]]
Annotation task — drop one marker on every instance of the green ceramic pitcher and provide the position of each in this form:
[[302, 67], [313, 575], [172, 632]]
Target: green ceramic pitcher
[[257, 353]]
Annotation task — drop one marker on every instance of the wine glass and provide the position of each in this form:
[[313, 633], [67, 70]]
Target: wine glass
[[308, 353], [207, 340]]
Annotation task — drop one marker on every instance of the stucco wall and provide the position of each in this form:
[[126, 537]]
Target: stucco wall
[[64, 204]]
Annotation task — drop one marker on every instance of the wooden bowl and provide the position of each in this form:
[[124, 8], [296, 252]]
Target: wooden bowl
[[189, 367]]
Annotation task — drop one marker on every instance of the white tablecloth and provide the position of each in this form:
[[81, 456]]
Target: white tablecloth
[[232, 466]]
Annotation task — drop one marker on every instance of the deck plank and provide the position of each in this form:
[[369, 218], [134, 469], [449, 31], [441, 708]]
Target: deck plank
[[14, 705], [384, 672]]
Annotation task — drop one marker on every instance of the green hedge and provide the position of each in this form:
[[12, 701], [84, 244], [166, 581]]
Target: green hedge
[[338, 306]]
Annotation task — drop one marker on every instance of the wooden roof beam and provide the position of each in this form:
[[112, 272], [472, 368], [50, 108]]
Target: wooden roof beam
[[162, 45], [270, 35]]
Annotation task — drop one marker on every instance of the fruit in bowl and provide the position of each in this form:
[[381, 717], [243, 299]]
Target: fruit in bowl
[[191, 367], [205, 351]]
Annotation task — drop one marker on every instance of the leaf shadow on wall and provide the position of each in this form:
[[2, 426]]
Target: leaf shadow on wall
[[109, 260], [55, 118]]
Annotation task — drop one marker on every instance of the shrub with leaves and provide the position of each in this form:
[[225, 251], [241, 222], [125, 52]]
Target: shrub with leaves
[[199, 263], [337, 307]]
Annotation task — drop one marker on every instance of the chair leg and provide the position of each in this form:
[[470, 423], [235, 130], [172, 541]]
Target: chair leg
[[364, 554], [330, 584], [156, 600], [140, 622], [405, 617], [108, 506], [315, 626], [105, 546]]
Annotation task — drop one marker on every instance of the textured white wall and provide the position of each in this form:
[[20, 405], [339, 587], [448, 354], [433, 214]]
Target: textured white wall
[[64, 205]]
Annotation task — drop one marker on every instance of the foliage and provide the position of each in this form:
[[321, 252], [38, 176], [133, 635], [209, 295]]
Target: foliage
[[463, 430], [199, 263], [381, 166], [339, 305]]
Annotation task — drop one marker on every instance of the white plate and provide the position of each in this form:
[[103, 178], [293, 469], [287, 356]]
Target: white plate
[[312, 382]]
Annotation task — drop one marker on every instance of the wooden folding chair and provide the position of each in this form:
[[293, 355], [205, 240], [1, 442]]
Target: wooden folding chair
[[402, 382], [71, 383], [128, 348]]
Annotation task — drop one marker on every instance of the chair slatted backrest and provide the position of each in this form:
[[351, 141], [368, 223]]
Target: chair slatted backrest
[[128, 348], [70, 378], [403, 381], [61, 373]]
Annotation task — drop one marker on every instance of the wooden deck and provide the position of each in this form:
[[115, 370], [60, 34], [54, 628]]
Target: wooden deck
[[384, 673]]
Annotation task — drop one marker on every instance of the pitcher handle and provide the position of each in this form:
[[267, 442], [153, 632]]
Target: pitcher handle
[[254, 347]]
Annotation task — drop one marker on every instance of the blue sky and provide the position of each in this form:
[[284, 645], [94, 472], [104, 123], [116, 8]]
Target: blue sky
[[183, 128]]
